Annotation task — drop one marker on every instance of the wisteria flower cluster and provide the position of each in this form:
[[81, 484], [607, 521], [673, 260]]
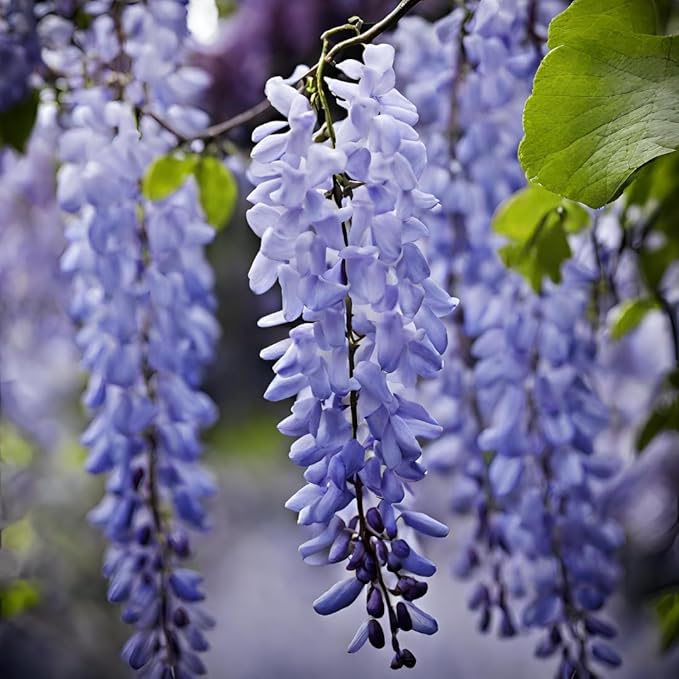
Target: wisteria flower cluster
[[340, 235], [142, 295], [516, 401]]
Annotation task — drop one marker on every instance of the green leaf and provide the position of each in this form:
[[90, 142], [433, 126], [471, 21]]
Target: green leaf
[[18, 597], [16, 123], [218, 190], [537, 221], [665, 417], [605, 100], [166, 174], [667, 610], [541, 256], [519, 216], [628, 16], [630, 314]]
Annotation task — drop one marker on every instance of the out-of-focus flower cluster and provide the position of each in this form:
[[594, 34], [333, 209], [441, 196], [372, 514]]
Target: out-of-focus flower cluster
[[142, 297], [520, 415]]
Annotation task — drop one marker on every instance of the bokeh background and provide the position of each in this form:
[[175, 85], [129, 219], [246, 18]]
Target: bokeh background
[[55, 621]]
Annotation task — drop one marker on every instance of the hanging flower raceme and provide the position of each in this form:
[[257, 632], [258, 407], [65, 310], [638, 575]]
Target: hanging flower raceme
[[542, 419], [516, 402], [339, 231], [142, 294]]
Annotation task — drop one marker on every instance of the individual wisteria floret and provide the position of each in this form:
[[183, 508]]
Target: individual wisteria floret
[[340, 234], [142, 295], [516, 401]]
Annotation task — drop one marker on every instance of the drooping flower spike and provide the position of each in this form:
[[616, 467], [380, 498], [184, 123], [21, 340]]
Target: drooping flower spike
[[142, 295], [340, 234], [516, 401]]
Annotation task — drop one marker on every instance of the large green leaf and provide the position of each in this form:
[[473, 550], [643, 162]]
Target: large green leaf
[[605, 100], [536, 222]]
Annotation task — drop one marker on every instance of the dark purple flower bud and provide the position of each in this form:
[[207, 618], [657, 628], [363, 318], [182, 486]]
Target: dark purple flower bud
[[376, 634], [600, 628], [179, 542], [479, 596], [130, 615], [364, 575], [180, 617], [400, 548], [173, 644], [381, 552], [394, 564], [356, 558], [137, 477], [408, 659], [545, 647], [374, 519], [485, 620], [370, 565], [403, 617], [417, 590], [507, 627], [605, 654], [396, 662], [375, 604], [144, 535]]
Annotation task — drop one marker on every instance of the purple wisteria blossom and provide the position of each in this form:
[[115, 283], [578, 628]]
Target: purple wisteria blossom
[[340, 232], [142, 296], [516, 401]]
